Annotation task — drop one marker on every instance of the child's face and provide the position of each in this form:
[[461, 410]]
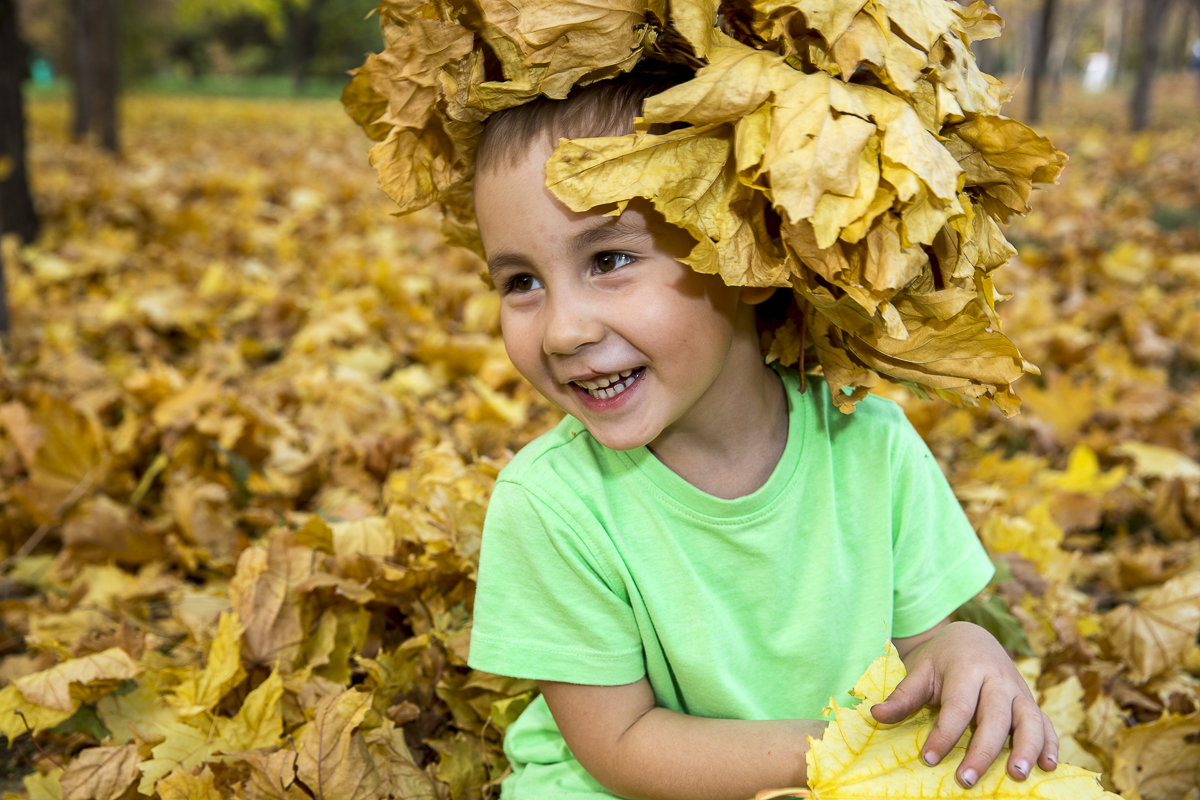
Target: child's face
[[601, 317]]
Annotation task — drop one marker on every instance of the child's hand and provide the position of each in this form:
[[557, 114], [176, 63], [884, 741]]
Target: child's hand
[[964, 670]]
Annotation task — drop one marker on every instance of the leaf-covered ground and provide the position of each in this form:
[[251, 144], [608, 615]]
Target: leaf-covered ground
[[249, 423]]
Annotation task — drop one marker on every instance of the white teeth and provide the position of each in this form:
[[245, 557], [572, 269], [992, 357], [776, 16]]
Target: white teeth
[[607, 386]]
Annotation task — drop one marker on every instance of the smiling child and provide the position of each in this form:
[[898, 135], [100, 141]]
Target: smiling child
[[700, 554]]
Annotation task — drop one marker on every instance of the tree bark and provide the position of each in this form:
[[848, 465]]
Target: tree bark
[[1041, 57], [302, 34], [1154, 12], [4, 321], [94, 39], [17, 214]]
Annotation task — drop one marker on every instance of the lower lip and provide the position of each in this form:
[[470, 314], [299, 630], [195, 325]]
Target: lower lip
[[600, 405]]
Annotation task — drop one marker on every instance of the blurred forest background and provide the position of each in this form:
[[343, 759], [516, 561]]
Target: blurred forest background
[[249, 422]]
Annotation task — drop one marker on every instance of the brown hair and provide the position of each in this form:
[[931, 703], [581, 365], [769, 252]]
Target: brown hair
[[604, 108]]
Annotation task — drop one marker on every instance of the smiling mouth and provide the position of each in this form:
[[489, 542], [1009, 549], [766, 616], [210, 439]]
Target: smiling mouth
[[607, 387]]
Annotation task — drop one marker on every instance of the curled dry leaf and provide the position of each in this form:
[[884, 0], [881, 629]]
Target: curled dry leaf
[[866, 128], [1157, 632]]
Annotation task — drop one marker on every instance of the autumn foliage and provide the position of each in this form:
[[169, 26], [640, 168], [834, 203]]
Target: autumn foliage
[[249, 423]]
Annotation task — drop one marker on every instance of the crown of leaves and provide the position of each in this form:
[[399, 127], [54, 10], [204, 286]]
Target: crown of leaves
[[850, 150]]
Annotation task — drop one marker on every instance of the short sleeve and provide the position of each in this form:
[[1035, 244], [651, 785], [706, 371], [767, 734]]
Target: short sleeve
[[547, 607], [939, 562]]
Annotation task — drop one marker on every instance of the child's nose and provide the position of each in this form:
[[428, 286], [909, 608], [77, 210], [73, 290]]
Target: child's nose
[[572, 322]]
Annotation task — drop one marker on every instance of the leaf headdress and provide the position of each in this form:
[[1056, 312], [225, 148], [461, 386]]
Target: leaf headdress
[[849, 150]]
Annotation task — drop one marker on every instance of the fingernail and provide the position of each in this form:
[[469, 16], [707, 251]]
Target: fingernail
[[1022, 768], [929, 758], [1053, 761], [969, 777]]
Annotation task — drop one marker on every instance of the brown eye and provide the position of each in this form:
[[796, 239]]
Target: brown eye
[[521, 283], [607, 262]]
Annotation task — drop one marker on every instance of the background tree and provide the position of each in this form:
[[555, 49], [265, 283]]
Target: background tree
[[17, 214], [94, 36], [4, 324], [1043, 36], [16, 202], [1153, 14], [302, 34]]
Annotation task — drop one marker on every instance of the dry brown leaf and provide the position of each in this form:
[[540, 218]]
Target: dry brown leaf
[[332, 758], [64, 685], [1155, 633], [1159, 761], [101, 773]]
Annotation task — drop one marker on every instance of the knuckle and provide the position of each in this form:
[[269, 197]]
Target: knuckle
[[958, 706]]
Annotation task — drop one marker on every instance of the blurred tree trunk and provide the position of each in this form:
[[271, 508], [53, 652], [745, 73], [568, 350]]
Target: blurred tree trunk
[[16, 202], [4, 322], [94, 42], [1115, 12], [1043, 38], [302, 38], [1154, 12]]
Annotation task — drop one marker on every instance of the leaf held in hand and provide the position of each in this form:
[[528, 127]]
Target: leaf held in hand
[[859, 758]]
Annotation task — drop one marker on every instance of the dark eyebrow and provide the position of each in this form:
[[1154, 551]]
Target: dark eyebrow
[[605, 230], [505, 260]]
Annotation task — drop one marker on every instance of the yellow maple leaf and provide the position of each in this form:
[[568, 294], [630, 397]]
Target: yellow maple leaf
[[201, 690], [371, 536], [1034, 535], [71, 460], [183, 748], [180, 785], [1164, 463], [46, 786], [138, 715], [18, 715], [1083, 474], [259, 722], [858, 757]]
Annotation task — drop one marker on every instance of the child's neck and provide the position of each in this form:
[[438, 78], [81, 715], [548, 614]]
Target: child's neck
[[738, 454]]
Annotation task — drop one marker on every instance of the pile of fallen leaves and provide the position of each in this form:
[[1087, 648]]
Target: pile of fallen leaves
[[249, 424]]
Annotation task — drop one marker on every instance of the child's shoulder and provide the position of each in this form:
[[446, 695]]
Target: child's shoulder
[[567, 447]]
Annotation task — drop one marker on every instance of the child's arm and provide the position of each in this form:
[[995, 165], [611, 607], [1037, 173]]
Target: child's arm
[[964, 670], [638, 750]]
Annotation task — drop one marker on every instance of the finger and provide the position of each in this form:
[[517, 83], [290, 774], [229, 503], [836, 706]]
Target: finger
[[957, 710], [1049, 758], [1028, 737], [914, 691], [993, 721]]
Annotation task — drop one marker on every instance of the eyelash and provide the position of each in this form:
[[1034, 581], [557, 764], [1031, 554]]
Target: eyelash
[[511, 286], [628, 259]]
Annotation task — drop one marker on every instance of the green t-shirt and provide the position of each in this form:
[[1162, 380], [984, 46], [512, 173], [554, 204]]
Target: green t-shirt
[[600, 566]]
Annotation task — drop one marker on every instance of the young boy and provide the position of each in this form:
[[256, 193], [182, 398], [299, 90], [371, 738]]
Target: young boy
[[701, 554]]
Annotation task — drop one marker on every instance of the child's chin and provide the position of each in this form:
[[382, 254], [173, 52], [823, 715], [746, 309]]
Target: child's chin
[[614, 440]]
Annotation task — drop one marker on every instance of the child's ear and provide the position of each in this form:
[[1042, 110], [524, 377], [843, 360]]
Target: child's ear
[[753, 295]]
